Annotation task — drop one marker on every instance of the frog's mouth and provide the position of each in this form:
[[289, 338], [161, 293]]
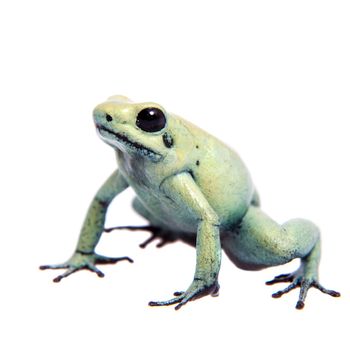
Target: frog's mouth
[[109, 135]]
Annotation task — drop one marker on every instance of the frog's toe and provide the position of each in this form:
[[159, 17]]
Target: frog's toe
[[177, 294], [288, 277], [305, 284], [94, 269], [67, 273], [181, 299], [71, 269], [172, 301], [83, 261], [54, 266], [292, 286], [330, 292], [197, 289]]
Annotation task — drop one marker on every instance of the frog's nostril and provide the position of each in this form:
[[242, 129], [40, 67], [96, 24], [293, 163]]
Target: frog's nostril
[[109, 118]]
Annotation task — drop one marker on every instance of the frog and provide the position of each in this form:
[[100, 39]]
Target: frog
[[191, 187]]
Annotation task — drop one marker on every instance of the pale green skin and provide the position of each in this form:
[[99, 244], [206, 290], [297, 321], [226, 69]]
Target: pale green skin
[[197, 190]]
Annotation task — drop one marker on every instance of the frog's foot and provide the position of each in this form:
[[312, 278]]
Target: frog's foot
[[297, 279], [83, 261], [198, 289], [165, 237]]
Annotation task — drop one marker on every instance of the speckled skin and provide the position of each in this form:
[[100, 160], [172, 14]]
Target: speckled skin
[[190, 186]]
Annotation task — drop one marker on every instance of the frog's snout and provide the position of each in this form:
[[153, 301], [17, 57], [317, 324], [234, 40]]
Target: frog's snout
[[101, 118]]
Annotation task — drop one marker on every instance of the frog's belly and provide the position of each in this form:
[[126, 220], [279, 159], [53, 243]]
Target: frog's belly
[[163, 212]]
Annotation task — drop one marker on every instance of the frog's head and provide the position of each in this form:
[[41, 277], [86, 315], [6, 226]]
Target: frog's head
[[135, 128]]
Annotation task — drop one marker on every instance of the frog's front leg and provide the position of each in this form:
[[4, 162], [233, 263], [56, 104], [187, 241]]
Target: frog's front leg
[[84, 256], [182, 189]]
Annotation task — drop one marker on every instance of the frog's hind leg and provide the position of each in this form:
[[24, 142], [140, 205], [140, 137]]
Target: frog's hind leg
[[260, 242], [156, 228], [305, 277]]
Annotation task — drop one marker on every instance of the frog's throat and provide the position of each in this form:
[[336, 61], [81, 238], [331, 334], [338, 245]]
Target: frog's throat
[[108, 134]]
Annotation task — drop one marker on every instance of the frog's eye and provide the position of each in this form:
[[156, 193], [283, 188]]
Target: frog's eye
[[151, 119]]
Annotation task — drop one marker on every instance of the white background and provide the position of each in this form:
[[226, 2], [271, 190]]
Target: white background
[[270, 78]]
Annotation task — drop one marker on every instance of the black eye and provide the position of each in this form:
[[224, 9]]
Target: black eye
[[151, 119]]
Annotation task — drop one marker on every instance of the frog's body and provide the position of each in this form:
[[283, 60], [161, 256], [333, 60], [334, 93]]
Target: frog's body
[[191, 186], [208, 161]]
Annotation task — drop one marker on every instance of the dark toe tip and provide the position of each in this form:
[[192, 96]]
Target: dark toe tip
[[152, 303], [57, 279], [277, 295], [300, 305], [43, 267], [177, 294], [335, 294]]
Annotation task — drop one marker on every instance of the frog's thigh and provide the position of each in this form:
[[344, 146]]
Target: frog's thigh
[[260, 242]]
